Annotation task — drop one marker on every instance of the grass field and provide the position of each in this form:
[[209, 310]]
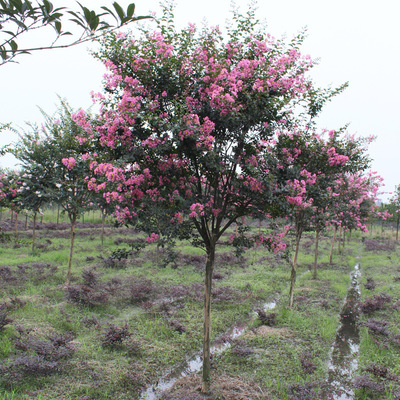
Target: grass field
[[125, 321]]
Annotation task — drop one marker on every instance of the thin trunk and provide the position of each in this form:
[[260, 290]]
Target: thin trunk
[[316, 254], [26, 221], [207, 319], [333, 242], [294, 270], [71, 248], [58, 214], [103, 218], [12, 216], [83, 218], [16, 226], [339, 240], [34, 233], [397, 227]]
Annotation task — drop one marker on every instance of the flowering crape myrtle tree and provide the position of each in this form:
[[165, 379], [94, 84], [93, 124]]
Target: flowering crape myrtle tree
[[308, 165], [11, 186], [36, 160], [70, 169], [393, 206], [189, 116], [56, 168], [355, 197]]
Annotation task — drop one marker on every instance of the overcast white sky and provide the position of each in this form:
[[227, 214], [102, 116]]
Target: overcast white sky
[[355, 40]]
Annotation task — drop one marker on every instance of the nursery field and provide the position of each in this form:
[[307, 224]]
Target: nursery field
[[128, 323]]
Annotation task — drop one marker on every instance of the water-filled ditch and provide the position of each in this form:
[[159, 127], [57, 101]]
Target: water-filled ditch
[[195, 364], [344, 353]]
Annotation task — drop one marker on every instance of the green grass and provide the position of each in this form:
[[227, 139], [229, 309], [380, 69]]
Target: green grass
[[274, 362]]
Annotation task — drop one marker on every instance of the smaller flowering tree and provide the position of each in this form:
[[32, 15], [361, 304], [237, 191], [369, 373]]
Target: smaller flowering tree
[[394, 208], [9, 195], [36, 172], [308, 164], [56, 168], [355, 196], [70, 170]]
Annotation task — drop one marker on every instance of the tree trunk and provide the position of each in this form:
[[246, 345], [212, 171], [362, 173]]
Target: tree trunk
[[339, 240], [58, 214], [333, 242], [316, 254], [397, 227], [34, 233], [103, 218], [16, 227], [207, 319], [71, 248], [26, 221], [294, 269]]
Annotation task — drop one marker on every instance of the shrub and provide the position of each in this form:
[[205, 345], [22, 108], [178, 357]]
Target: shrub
[[86, 295], [4, 312], [114, 335], [142, 291], [90, 278], [241, 349], [370, 284], [307, 363], [177, 326], [375, 303], [365, 382], [379, 245], [266, 319], [43, 358]]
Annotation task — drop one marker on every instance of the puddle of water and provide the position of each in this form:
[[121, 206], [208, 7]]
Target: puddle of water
[[344, 353], [195, 363]]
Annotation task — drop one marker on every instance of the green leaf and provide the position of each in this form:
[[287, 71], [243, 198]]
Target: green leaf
[[49, 7], [9, 33], [78, 22], [14, 46], [120, 12], [19, 23], [130, 11], [94, 23], [57, 26], [109, 11]]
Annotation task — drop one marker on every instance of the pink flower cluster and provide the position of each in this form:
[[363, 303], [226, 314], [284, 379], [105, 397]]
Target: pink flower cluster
[[196, 210], [152, 238], [69, 162]]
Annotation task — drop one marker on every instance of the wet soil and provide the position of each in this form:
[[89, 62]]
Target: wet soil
[[344, 354]]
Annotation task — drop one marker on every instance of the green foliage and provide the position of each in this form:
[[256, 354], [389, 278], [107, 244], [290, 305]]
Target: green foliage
[[20, 16]]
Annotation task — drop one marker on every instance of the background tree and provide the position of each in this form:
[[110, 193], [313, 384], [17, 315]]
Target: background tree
[[354, 202], [36, 159], [56, 164], [309, 164], [394, 209], [17, 17]]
